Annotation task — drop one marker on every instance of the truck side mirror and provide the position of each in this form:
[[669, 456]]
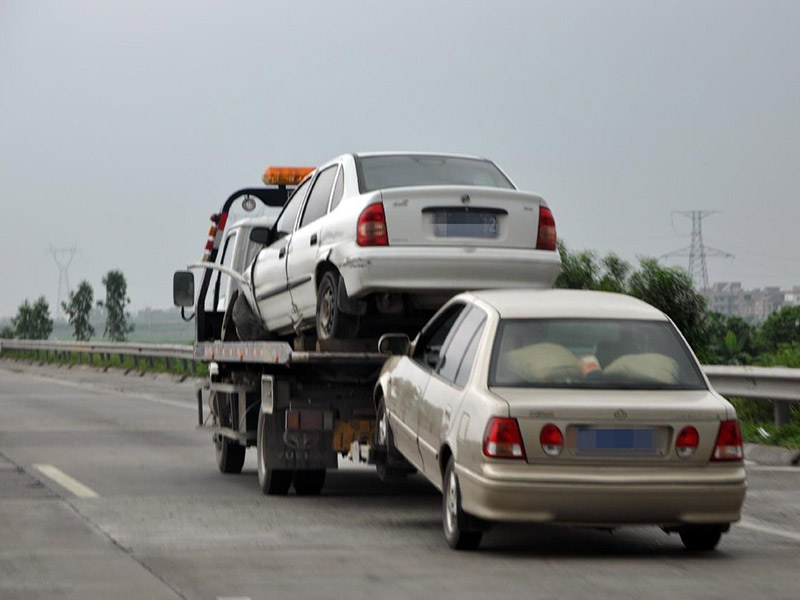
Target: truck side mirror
[[396, 344], [183, 288], [260, 235]]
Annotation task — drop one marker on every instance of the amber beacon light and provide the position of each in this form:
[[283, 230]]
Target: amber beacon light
[[285, 175]]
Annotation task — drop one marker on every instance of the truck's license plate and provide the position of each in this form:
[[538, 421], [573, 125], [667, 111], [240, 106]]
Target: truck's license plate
[[454, 223]]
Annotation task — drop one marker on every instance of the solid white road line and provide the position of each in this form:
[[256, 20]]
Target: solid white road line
[[103, 390], [233, 597], [776, 468], [747, 524], [67, 482]]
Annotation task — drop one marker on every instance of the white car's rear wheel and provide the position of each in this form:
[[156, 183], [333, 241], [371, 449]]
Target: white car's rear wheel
[[332, 323]]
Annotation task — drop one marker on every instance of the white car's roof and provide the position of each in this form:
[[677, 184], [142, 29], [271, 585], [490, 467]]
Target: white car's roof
[[529, 303], [366, 154]]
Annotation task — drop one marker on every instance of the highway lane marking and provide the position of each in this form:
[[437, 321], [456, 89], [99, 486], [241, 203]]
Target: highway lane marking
[[101, 389], [67, 482], [233, 597], [753, 526]]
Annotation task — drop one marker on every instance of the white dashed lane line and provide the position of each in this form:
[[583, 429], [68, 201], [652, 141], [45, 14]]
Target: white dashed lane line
[[768, 529], [68, 483]]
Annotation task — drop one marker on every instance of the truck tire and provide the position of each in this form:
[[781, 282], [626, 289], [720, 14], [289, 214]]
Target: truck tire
[[385, 441], [309, 482], [332, 323], [273, 482], [459, 530], [230, 454]]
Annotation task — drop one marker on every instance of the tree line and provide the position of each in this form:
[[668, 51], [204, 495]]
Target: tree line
[[33, 321], [715, 338]]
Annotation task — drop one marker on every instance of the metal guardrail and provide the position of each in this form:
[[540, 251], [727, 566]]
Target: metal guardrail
[[146, 352], [779, 384]]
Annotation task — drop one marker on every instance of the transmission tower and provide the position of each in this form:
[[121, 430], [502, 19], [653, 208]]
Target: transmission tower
[[63, 258], [697, 251]]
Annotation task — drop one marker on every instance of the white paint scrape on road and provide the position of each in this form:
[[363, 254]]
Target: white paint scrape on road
[[753, 526], [72, 485]]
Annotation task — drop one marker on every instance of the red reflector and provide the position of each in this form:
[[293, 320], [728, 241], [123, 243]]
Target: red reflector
[[502, 439], [223, 218], [546, 239], [371, 228], [686, 442], [729, 442], [552, 440], [209, 244]]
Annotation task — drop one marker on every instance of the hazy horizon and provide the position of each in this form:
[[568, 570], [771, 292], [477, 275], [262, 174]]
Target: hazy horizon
[[125, 124]]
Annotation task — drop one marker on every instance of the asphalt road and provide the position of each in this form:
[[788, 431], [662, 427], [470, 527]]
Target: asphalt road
[[108, 491]]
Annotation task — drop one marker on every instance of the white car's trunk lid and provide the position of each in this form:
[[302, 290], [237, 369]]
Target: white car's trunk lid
[[461, 216]]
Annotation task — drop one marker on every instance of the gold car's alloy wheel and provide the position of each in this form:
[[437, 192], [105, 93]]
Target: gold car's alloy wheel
[[451, 514]]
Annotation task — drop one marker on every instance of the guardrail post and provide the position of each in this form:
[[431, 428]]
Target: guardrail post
[[168, 364], [782, 414], [194, 368], [185, 365], [151, 361]]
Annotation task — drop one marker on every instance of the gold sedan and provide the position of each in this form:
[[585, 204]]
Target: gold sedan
[[575, 407]]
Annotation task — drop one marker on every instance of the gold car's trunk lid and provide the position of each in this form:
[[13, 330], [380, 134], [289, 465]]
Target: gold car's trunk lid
[[616, 426]]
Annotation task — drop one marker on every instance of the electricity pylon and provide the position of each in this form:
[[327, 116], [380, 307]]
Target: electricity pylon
[[63, 258], [697, 251]]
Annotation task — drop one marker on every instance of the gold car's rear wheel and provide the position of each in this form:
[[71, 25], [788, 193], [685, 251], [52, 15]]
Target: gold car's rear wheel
[[459, 530]]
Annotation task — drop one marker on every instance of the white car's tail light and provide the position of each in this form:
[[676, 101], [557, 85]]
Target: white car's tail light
[[551, 439], [686, 442], [546, 238], [503, 439], [729, 442], [371, 230]]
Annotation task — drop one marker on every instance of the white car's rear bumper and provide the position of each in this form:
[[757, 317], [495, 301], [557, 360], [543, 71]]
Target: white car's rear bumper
[[439, 269]]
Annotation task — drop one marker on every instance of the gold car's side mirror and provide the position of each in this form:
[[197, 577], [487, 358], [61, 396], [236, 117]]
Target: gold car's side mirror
[[396, 344]]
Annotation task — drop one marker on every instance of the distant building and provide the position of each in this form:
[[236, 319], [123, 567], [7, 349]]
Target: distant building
[[754, 306]]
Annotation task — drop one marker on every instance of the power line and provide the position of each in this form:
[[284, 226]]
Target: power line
[[63, 259], [697, 251]]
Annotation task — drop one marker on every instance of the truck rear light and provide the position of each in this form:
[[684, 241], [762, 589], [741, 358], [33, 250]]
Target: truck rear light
[[552, 440], [729, 442], [686, 442], [371, 229], [546, 239], [502, 439]]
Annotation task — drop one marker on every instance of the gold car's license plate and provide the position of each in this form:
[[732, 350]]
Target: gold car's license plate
[[599, 441]]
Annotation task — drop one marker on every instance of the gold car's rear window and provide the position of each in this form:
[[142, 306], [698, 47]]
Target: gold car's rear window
[[593, 354]]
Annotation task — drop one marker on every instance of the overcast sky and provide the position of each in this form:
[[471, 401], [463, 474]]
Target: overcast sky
[[123, 125]]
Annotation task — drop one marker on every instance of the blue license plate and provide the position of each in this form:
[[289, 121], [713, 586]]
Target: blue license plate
[[594, 440]]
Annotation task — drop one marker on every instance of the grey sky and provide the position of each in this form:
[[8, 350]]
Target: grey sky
[[123, 125]]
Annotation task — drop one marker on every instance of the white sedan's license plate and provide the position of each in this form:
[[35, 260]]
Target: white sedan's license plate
[[619, 442], [460, 223]]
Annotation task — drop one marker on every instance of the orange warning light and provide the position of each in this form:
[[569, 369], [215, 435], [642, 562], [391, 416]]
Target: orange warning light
[[285, 175]]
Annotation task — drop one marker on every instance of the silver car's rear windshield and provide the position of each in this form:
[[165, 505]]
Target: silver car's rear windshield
[[592, 354], [409, 170]]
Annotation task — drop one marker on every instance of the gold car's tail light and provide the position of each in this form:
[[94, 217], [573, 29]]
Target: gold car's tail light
[[503, 439], [729, 442], [686, 442], [551, 439]]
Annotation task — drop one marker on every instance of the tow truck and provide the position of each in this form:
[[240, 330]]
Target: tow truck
[[300, 404]]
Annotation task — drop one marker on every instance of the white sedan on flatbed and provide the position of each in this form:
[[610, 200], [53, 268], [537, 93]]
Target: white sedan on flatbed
[[561, 406], [370, 241]]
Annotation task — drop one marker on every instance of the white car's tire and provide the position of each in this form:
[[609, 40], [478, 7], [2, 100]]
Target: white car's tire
[[332, 323]]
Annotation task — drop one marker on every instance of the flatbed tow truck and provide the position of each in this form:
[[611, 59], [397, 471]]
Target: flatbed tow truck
[[300, 408]]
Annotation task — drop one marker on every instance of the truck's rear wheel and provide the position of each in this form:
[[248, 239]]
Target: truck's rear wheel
[[273, 482], [230, 454], [332, 323], [309, 482]]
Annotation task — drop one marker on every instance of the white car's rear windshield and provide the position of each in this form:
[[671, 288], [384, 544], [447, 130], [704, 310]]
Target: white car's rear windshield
[[409, 170], [592, 354]]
